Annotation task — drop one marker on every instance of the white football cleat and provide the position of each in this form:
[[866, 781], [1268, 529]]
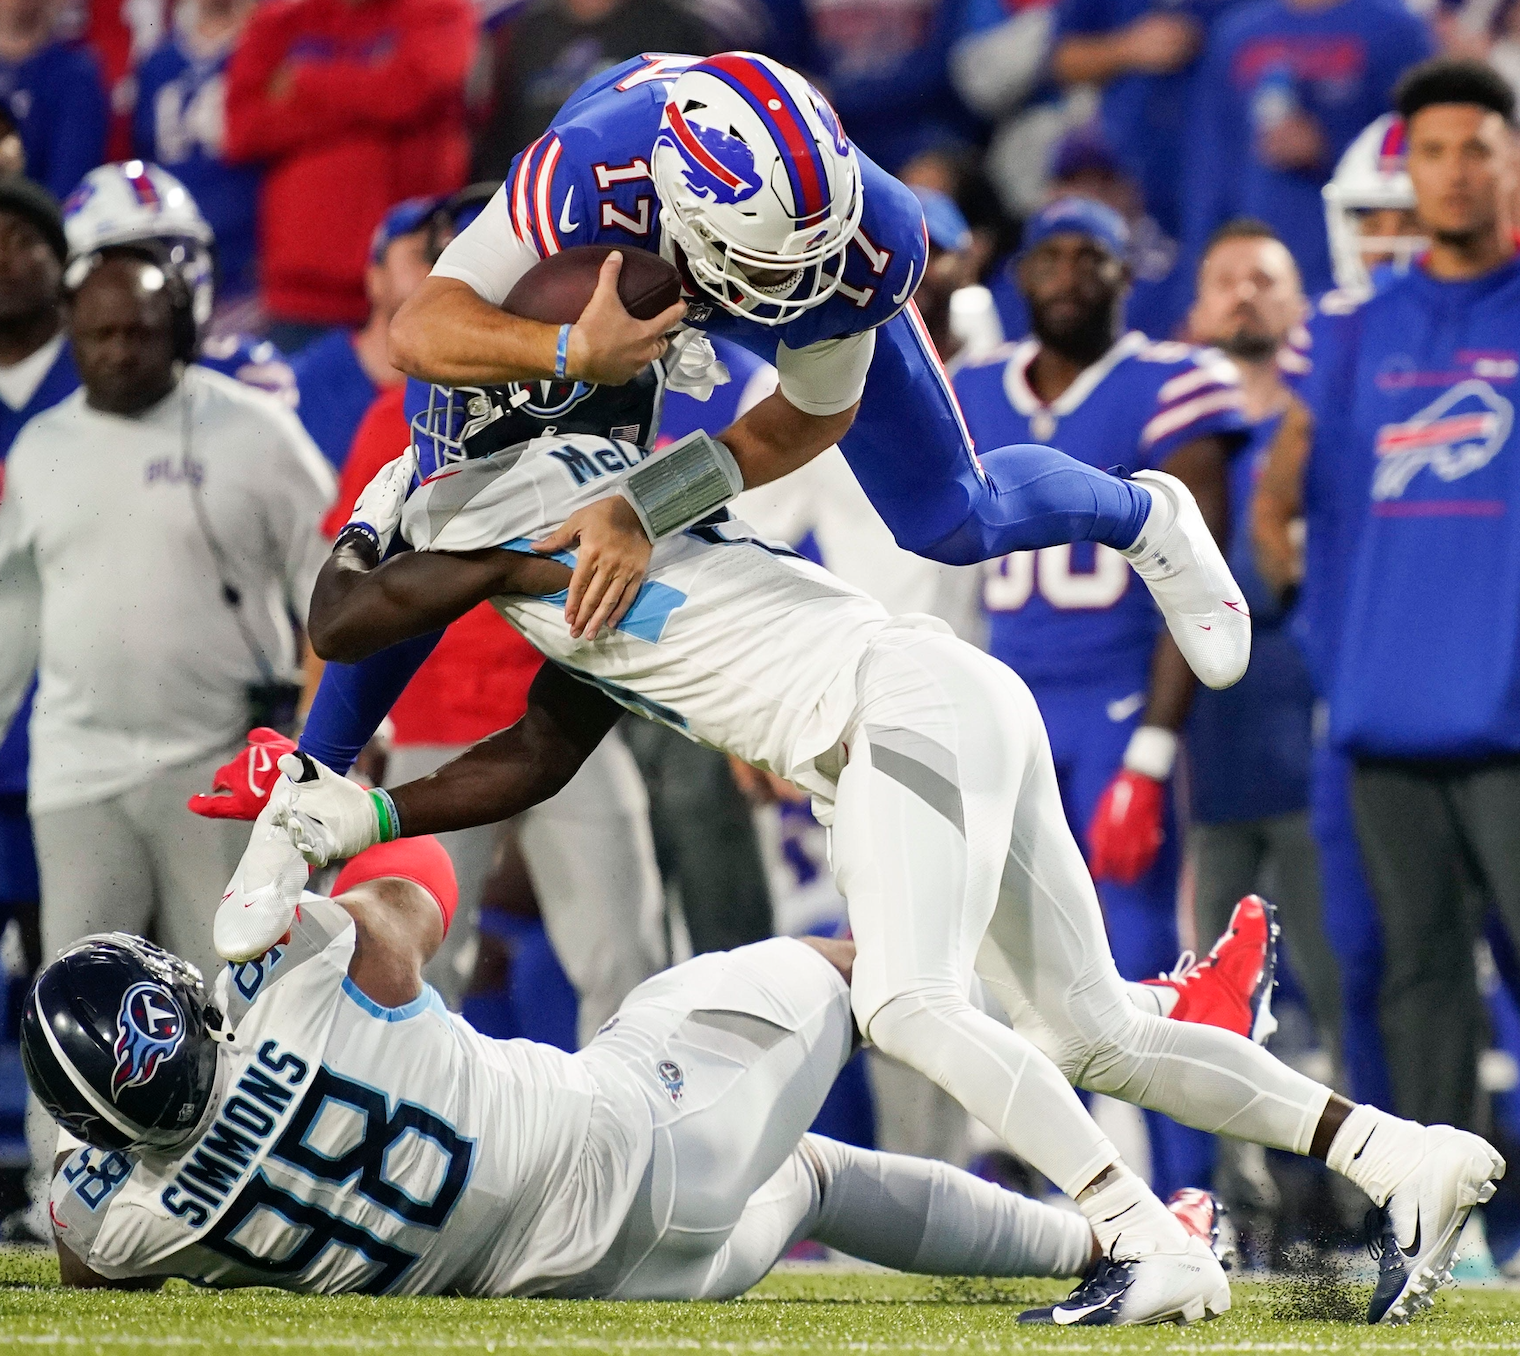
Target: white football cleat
[[1418, 1229], [1159, 1287], [263, 894], [1184, 569]]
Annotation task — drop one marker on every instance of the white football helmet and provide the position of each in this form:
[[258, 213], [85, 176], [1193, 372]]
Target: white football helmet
[[760, 188], [1370, 177], [133, 202]]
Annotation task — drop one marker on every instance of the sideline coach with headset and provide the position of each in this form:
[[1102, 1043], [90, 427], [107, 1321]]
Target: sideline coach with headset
[[158, 530]]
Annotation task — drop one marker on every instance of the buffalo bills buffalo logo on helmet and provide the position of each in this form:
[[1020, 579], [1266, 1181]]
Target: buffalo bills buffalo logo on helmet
[[149, 1028], [718, 167]]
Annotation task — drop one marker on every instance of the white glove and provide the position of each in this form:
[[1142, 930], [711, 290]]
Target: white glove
[[261, 899], [326, 816], [377, 512], [692, 365]]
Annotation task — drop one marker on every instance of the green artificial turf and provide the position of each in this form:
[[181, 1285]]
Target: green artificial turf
[[795, 1311]]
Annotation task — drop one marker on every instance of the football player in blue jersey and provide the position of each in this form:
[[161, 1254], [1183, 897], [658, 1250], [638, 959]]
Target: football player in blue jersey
[[1070, 619], [136, 203], [1415, 387], [795, 245]]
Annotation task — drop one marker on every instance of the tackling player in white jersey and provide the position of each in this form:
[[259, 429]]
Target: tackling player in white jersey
[[948, 838], [326, 1125]]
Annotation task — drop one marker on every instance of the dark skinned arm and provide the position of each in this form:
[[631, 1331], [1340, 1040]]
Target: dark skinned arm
[[360, 606], [1203, 466], [399, 929], [1279, 501], [516, 768]]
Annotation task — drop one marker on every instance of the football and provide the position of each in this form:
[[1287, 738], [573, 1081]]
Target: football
[[557, 289]]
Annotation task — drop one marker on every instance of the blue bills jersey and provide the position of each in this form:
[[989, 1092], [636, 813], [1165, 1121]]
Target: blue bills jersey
[[1416, 388], [1065, 612], [254, 362], [586, 182], [1249, 745]]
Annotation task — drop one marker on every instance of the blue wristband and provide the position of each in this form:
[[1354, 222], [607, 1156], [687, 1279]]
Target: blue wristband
[[562, 351]]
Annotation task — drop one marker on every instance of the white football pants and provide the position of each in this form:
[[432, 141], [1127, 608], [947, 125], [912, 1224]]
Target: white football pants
[[735, 1052], [953, 854]]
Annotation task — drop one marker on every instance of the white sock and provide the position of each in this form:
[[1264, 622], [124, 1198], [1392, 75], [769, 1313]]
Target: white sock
[[1375, 1150], [1128, 1218], [1156, 999], [917, 1214]]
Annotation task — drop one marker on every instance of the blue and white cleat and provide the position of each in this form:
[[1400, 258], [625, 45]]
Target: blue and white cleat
[[1160, 1287], [1414, 1236]]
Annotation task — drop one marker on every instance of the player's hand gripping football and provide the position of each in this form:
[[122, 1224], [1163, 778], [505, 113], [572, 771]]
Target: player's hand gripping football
[[240, 787], [611, 555], [607, 345]]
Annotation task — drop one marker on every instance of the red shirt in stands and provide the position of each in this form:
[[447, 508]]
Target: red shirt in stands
[[354, 106], [476, 681]]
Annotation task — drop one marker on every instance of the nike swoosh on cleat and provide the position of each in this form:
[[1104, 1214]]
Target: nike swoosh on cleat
[[1413, 1250], [1068, 1316], [1202, 627], [228, 895], [1236, 607]]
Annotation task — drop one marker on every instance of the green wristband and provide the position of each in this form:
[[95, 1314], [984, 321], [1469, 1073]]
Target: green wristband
[[385, 812]]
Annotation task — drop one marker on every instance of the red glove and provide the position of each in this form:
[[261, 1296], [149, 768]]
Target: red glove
[[240, 789], [1125, 834]]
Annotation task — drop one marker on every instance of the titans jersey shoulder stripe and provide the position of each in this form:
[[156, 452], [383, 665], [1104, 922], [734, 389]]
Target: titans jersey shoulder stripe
[[586, 181], [1066, 612]]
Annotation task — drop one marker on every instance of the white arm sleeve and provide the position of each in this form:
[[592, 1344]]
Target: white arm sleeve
[[487, 255], [828, 377]]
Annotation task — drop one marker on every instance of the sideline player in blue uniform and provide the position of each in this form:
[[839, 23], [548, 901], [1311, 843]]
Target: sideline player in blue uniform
[[1420, 382], [1071, 619]]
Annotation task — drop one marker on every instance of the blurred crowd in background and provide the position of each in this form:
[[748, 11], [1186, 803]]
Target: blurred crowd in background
[[332, 147]]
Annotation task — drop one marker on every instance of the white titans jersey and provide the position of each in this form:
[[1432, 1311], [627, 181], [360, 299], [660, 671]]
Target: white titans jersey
[[737, 642], [351, 1147]]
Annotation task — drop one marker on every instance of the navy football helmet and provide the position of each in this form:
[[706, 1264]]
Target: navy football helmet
[[117, 1043], [465, 423]]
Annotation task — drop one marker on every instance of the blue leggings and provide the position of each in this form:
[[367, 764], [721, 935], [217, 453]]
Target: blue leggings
[[910, 450]]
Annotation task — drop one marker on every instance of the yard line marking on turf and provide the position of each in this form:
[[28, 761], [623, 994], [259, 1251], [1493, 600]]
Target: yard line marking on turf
[[1351, 1343]]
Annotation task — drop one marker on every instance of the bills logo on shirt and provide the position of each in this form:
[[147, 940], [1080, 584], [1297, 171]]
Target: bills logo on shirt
[[1458, 433], [149, 1027]]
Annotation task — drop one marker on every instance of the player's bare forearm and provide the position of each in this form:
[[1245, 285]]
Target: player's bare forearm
[[398, 929], [516, 768], [1278, 502], [1201, 465], [775, 438], [1089, 59], [359, 607], [447, 334]]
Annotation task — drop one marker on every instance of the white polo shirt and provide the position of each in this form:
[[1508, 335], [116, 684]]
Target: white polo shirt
[[115, 536]]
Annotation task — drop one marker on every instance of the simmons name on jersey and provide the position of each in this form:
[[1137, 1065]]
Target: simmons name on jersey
[[1065, 612], [352, 1147]]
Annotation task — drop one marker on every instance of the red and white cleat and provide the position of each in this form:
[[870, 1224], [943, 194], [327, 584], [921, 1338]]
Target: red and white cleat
[[1232, 986]]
